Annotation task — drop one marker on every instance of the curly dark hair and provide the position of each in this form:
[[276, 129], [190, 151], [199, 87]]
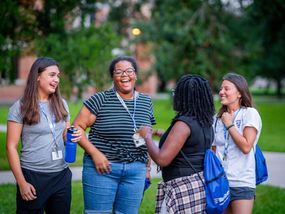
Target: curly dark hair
[[193, 97]]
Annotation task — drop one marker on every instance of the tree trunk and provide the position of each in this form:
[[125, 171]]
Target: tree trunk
[[279, 88]]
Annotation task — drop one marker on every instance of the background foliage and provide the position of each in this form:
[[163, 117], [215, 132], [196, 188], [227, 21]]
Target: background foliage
[[209, 37]]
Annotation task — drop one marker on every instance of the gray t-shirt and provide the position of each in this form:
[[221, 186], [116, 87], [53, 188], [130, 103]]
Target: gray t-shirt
[[38, 141]]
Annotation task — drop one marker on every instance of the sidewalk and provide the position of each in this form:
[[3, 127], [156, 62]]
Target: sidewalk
[[3, 128], [7, 176], [275, 163]]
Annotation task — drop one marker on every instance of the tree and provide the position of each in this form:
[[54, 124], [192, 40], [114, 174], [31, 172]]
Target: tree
[[46, 29], [190, 37], [11, 28], [83, 56], [267, 20]]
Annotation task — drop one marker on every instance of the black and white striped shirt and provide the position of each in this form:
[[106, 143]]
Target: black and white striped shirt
[[113, 130]]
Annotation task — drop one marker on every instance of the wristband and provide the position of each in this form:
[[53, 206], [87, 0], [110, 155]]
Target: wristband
[[230, 126]]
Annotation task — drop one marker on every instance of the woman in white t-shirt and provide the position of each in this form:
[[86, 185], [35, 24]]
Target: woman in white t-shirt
[[237, 130]]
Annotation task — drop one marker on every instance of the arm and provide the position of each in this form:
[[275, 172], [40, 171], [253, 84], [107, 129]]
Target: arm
[[83, 120], [148, 167], [67, 124], [14, 130], [172, 145], [245, 140]]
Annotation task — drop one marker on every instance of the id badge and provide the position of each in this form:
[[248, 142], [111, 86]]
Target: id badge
[[57, 155], [138, 140]]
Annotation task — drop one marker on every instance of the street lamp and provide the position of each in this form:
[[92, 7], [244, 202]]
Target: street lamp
[[136, 31]]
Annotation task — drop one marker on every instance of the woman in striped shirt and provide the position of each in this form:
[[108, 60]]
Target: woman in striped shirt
[[114, 166]]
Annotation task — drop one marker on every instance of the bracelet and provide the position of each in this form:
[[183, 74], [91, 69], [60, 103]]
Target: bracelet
[[148, 168], [230, 126]]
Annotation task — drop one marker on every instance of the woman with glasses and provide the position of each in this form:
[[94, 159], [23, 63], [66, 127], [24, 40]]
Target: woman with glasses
[[115, 160]]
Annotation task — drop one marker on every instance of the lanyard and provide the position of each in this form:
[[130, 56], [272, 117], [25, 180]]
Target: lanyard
[[126, 107], [227, 136], [51, 124]]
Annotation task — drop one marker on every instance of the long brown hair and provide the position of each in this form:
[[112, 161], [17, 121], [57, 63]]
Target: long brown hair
[[242, 86], [30, 102]]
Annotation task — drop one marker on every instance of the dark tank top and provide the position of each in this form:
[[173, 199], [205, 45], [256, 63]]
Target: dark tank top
[[194, 148]]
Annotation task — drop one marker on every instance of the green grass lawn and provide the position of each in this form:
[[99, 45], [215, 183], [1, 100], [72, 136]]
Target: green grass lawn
[[268, 199]]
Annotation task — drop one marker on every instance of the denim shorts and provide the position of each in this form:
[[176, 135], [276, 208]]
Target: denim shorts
[[120, 191], [242, 193]]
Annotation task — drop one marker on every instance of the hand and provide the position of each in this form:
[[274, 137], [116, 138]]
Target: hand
[[147, 173], [102, 164], [158, 132], [76, 136], [227, 118], [145, 132], [28, 192]]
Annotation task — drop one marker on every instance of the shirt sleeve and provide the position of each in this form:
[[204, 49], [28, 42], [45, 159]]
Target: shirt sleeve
[[252, 118], [95, 102], [152, 119], [15, 113]]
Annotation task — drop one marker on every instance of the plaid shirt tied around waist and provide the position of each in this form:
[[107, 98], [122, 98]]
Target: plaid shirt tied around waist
[[182, 195]]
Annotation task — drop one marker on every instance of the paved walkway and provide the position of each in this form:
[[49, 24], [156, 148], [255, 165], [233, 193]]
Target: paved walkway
[[275, 163], [3, 128]]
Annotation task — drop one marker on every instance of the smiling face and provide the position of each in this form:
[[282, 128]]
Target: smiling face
[[124, 77], [48, 81], [229, 94]]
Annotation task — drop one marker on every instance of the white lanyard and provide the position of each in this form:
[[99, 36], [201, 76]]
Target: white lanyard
[[51, 126], [227, 136], [126, 107]]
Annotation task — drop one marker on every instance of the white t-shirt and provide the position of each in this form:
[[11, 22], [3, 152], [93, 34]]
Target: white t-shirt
[[239, 167]]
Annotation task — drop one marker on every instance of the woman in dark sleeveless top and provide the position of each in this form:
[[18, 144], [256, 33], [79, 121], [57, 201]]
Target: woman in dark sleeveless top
[[181, 190]]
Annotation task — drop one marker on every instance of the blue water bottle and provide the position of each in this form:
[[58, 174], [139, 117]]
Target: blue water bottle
[[70, 147]]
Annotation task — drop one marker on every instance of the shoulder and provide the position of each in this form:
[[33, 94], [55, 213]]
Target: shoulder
[[250, 111], [189, 121], [251, 117], [99, 99], [143, 96], [64, 103], [16, 106], [102, 96], [144, 99], [15, 112]]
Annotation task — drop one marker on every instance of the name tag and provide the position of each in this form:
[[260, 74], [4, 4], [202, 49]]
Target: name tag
[[57, 155]]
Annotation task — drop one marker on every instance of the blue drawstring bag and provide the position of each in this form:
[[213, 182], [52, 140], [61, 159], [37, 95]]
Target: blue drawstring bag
[[260, 166], [216, 184]]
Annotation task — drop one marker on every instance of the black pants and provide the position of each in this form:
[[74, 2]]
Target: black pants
[[53, 193]]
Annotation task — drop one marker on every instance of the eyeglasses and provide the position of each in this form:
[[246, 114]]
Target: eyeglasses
[[128, 71]]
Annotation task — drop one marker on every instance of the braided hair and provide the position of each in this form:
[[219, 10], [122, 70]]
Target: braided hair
[[193, 97]]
